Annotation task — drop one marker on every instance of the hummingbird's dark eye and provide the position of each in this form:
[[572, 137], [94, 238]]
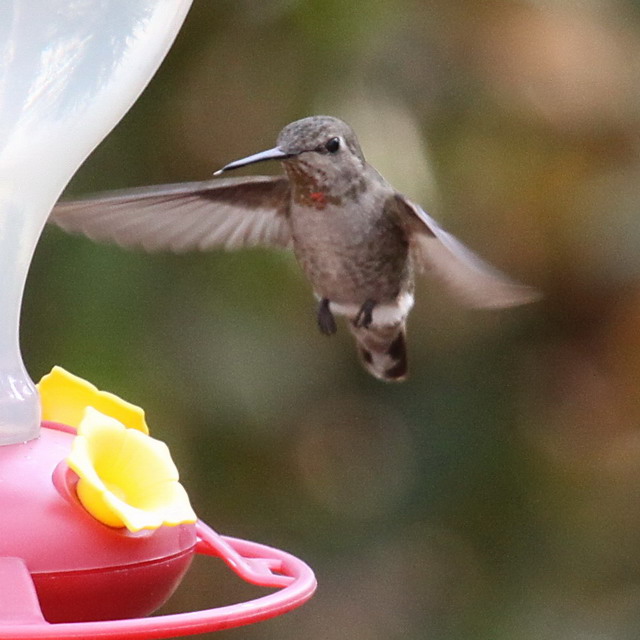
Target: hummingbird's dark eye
[[333, 145]]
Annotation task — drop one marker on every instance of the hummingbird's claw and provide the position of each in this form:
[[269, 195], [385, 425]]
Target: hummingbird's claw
[[326, 321], [364, 317]]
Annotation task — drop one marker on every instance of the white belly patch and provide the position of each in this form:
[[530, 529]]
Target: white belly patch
[[383, 315]]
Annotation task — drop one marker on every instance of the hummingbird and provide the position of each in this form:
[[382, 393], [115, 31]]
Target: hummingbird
[[358, 240]]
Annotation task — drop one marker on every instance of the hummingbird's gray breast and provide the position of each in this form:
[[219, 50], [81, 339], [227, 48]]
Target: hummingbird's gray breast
[[352, 249]]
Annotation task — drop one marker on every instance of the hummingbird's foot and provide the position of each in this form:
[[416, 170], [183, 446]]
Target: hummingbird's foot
[[326, 321], [364, 317]]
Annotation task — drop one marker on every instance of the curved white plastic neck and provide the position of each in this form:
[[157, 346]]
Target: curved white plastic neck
[[69, 72]]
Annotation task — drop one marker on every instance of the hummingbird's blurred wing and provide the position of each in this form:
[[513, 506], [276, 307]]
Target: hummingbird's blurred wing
[[225, 213], [466, 276]]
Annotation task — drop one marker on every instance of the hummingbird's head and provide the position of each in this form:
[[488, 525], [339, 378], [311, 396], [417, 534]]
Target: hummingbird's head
[[322, 136], [321, 151]]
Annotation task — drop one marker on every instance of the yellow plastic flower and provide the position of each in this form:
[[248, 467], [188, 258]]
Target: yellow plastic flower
[[64, 398], [126, 478]]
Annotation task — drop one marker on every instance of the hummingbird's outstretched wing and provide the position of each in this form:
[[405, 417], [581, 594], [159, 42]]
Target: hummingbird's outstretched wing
[[467, 277], [224, 213]]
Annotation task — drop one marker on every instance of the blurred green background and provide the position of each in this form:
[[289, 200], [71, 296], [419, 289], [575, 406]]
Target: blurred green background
[[496, 494]]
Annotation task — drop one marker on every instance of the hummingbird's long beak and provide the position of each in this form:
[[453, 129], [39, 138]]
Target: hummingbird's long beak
[[271, 154]]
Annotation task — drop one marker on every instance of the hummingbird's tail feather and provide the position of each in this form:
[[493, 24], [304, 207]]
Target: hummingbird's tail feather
[[383, 350]]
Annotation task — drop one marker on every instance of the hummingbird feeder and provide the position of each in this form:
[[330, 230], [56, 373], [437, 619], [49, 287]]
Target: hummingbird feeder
[[96, 530]]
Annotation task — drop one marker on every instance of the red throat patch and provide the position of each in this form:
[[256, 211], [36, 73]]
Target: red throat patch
[[318, 197]]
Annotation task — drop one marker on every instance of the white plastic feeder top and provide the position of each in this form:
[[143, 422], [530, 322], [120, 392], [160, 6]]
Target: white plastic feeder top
[[68, 72]]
